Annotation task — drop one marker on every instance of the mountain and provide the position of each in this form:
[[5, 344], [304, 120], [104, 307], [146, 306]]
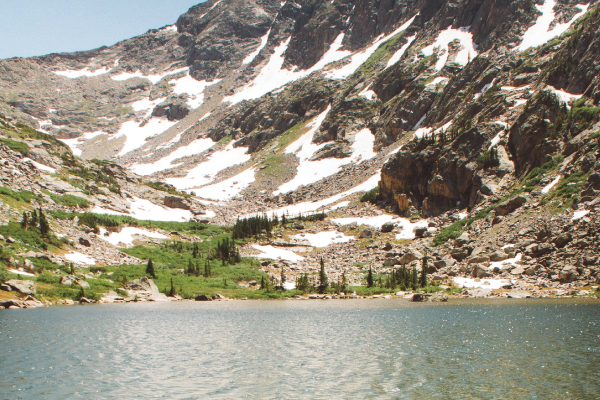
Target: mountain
[[466, 127]]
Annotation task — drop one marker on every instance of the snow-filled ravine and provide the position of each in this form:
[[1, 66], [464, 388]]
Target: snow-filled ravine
[[196, 147], [204, 173], [540, 32], [313, 171]]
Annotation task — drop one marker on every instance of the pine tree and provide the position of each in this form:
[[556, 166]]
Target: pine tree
[[81, 293], [44, 225], [423, 279], [370, 278], [33, 221], [344, 284], [172, 291], [283, 277], [262, 282], [24, 220], [323, 281], [415, 279], [150, 269], [72, 269]]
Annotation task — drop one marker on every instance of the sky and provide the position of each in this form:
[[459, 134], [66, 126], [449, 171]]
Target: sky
[[38, 27]]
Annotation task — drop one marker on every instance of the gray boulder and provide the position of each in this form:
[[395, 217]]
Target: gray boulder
[[498, 256], [387, 227], [23, 287], [439, 296]]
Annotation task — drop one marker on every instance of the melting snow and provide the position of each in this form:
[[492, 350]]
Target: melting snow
[[136, 134], [125, 236], [196, 147], [274, 253], [272, 76], [539, 33], [437, 80], [398, 55], [563, 96], [16, 271], [205, 172], [263, 41], [146, 210], [73, 74], [193, 88], [548, 187], [312, 171], [155, 78], [39, 166], [324, 239], [377, 221], [445, 37], [79, 258], [307, 207], [74, 143], [368, 94], [483, 283], [496, 139], [579, 214], [359, 59], [512, 261], [228, 188]]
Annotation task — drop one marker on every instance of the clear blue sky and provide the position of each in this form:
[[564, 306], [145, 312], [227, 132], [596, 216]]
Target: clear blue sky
[[37, 27]]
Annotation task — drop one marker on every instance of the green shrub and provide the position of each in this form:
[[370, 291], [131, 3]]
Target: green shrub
[[70, 200], [372, 196], [20, 147], [24, 196]]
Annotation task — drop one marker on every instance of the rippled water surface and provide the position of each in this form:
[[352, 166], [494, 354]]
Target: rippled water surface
[[467, 349]]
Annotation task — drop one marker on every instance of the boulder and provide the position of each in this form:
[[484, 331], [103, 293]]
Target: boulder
[[203, 297], [418, 297], [177, 202], [461, 240], [498, 256], [366, 233], [510, 205], [23, 287], [410, 256], [562, 240], [439, 296], [387, 227], [219, 297], [478, 259], [568, 274], [518, 271], [421, 232], [459, 254], [143, 284], [83, 284], [84, 242], [480, 292], [68, 280], [519, 294], [390, 262], [481, 271]]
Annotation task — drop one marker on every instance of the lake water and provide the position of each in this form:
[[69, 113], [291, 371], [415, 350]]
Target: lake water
[[354, 349]]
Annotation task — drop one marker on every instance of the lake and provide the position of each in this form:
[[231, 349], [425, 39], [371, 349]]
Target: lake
[[335, 349]]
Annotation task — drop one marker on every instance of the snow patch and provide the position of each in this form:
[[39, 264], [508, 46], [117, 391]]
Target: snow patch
[[193, 88], [405, 225], [263, 42], [16, 271], [39, 166], [196, 147], [74, 74], [324, 239], [228, 188], [359, 58], [398, 55], [439, 79], [471, 283], [564, 97], [205, 172], [80, 258], [126, 236], [136, 134], [540, 32], [274, 253], [443, 40], [579, 214], [155, 78], [146, 210], [548, 187]]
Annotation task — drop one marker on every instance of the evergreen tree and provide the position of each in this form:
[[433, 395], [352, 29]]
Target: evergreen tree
[[44, 225], [172, 291], [323, 281], [344, 284], [81, 293], [24, 220], [302, 283], [206, 268], [283, 277], [190, 268], [423, 279], [72, 269], [414, 278], [150, 269], [262, 282], [33, 221], [370, 278]]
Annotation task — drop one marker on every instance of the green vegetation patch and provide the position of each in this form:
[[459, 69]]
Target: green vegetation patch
[[24, 196], [70, 200]]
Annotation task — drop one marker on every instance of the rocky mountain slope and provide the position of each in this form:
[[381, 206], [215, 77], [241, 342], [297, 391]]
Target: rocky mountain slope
[[471, 125]]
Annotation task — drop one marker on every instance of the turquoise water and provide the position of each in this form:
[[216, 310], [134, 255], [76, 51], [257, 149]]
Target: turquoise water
[[354, 349]]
